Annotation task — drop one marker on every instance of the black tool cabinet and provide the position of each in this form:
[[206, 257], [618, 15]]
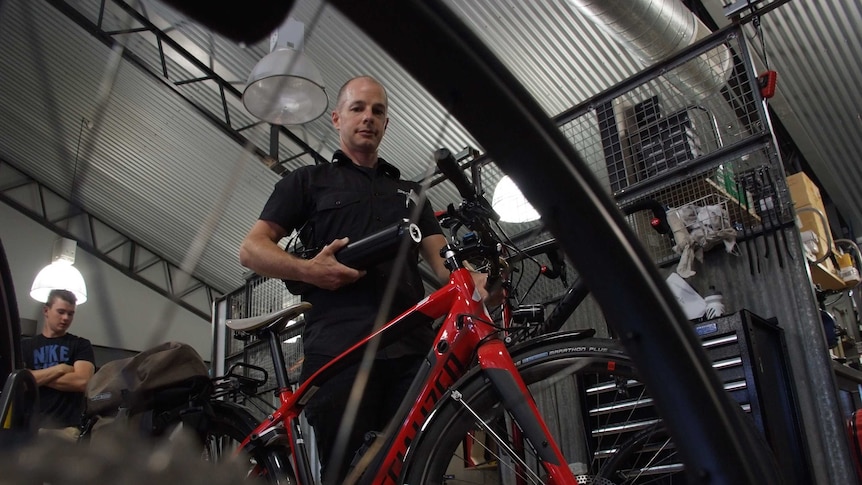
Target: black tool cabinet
[[749, 354]]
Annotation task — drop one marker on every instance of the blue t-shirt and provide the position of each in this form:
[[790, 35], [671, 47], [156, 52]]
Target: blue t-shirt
[[57, 409]]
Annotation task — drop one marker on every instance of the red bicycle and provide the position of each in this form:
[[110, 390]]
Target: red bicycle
[[471, 380]]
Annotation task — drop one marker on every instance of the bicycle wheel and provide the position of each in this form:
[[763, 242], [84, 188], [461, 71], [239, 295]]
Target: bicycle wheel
[[609, 431], [652, 448], [226, 428]]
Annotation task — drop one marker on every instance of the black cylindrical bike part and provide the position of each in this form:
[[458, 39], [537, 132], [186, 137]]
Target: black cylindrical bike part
[[368, 251], [449, 167], [277, 353], [565, 307], [528, 314], [379, 246]]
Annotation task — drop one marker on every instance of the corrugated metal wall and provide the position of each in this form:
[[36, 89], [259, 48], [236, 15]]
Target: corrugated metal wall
[[52, 70]]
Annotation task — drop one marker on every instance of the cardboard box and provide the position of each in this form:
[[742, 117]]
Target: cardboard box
[[805, 194]]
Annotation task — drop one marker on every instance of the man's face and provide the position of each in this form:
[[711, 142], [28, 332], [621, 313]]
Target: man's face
[[361, 116], [58, 317]]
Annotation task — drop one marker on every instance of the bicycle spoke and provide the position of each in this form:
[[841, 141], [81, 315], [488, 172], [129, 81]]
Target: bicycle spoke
[[594, 406]]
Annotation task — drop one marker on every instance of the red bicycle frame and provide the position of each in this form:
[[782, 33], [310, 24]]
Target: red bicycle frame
[[466, 333]]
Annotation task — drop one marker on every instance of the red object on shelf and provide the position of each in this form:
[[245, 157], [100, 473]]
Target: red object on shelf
[[767, 82], [479, 450], [854, 432]]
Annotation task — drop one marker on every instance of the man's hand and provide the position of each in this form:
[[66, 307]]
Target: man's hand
[[491, 294], [324, 271]]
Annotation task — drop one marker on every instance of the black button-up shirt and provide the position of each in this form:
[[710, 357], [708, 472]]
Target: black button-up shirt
[[330, 201]]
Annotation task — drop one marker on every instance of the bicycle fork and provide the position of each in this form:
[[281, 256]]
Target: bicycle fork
[[498, 366]]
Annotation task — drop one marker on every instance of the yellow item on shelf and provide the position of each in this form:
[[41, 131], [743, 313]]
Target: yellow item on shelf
[[805, 194], [847, 269], [844, 260]]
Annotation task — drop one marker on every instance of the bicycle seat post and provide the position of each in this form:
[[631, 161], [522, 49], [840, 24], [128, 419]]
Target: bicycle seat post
[[277, 357]]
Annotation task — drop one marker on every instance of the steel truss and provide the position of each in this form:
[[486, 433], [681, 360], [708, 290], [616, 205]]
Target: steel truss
[[58, 214]]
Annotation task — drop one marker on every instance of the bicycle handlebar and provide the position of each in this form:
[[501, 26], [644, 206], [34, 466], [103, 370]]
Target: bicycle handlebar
[[449, 167]]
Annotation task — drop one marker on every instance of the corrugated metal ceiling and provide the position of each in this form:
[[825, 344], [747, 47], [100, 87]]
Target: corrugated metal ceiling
[[157, 168], [815, 47]]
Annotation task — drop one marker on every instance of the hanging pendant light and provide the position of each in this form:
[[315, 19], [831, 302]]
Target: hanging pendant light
[[285, 87], [511, 204], [60, 274]]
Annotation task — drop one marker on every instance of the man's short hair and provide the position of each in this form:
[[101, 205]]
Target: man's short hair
[[64, 295], [340, 98]]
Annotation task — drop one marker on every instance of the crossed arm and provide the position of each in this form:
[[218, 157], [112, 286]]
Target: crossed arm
[[65, 377]]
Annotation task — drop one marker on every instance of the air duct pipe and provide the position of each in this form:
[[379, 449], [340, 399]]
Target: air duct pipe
[[654, 30]]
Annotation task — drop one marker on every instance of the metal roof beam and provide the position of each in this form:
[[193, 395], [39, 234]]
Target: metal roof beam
[[55, 212], [221, 120]]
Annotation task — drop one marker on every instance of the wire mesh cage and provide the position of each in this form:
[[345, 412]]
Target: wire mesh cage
[[691, 127], [667, 118], [261, 296]]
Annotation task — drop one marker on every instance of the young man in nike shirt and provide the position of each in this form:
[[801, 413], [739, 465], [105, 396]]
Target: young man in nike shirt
[[62, 365]]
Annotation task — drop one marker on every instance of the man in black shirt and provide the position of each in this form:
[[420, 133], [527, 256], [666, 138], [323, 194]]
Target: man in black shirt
[[61, 363], [330, 205]]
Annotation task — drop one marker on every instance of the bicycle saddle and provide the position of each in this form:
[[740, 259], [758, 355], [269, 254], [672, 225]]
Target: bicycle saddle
[[283, 316]]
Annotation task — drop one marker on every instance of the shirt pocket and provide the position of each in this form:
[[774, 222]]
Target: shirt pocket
[[338, 200], [338, 214]]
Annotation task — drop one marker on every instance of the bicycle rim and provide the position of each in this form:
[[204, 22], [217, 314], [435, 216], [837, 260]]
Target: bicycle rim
[[608, 429], [224, 432]]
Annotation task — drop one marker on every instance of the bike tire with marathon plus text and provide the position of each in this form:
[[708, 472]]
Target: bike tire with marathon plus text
[[588, 392]]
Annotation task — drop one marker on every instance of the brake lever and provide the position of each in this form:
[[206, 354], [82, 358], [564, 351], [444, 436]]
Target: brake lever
[[557, 269]]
